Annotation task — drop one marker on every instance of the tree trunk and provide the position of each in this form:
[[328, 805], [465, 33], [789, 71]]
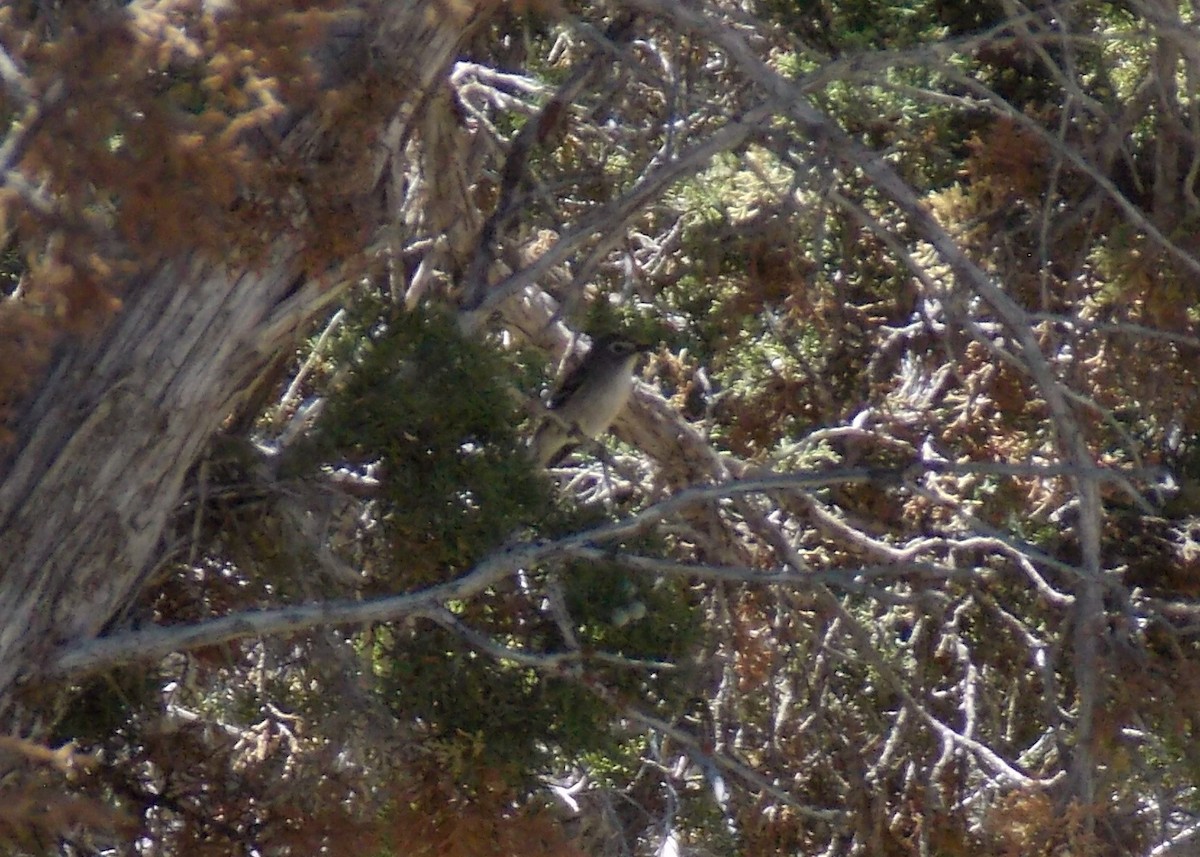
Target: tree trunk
[[104, 443]]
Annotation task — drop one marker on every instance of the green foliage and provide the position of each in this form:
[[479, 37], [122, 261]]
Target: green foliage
[[859, 24], [431, 409], [630, 614], [431, 413], [503, 717], [105, 705], [510, 719]]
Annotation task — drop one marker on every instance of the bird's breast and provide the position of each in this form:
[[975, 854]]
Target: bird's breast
[[604, 403]]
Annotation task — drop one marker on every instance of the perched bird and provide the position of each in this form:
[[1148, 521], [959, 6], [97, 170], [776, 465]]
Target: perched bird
[[589, 398]]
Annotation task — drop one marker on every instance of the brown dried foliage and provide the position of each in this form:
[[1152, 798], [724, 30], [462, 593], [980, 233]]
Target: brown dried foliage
[[164, 132], [39, 798], [433, 817]]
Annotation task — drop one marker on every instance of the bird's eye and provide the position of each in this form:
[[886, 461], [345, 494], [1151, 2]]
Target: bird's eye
[[621, 347]]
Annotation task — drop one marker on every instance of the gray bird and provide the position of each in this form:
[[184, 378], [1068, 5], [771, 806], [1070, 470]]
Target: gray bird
[[588, 400]]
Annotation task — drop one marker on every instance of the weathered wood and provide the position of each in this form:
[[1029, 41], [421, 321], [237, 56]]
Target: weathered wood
[[104, 444]]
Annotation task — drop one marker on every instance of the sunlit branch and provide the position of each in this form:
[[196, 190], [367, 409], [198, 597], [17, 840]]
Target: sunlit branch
[[612, 215], [149, 644]]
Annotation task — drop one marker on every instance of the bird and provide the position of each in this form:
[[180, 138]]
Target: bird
[[585, 404]]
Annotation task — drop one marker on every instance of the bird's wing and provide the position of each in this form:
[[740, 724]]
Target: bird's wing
[[570, 383]]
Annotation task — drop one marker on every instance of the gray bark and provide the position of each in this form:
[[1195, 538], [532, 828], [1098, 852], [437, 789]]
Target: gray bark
[[105, 442]]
